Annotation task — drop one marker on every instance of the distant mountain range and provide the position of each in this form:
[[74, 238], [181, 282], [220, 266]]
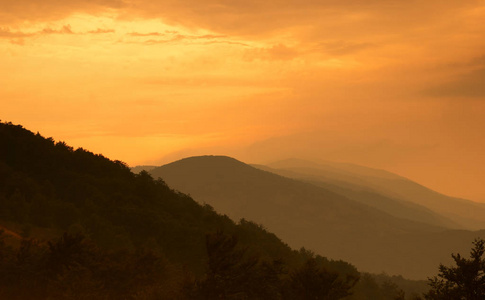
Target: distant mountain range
[[462, 213], [374, 219]]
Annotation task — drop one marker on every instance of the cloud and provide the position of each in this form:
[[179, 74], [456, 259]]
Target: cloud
[[66, 29], [18, 11], [246, 17], [9, 34], [252, 17], [15, 37], [469, 81], [18, 37], [324, 144], [226, 42], [101, 31], [275, 52], [175, 36], [342, 47], [471, 85], [146, 34], [281, 52]]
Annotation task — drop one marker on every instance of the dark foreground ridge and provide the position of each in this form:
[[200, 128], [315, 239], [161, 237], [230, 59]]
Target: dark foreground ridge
[[91, 229]]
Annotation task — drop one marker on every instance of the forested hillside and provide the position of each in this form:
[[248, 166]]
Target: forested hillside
[[91, 229]]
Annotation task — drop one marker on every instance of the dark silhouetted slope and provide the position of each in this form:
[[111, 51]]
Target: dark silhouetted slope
[[48, 185], [130, 236]]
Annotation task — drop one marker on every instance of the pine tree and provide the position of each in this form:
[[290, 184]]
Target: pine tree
[[465, 281]]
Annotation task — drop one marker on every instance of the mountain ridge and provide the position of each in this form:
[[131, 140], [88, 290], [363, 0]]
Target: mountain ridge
[[396, 207], [305, 214], [92, 229], [465, 213]]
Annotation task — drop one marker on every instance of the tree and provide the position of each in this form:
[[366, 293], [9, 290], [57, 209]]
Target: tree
[[231, 273], [313, 282], [390, 290], [465, 281]]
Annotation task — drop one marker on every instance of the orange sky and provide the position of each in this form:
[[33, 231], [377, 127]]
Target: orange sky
[[398, 85]]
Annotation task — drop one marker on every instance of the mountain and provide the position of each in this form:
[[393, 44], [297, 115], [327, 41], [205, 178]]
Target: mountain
[[77, 225], [396, 207], [304, 214], [457, 213], [138, 169]]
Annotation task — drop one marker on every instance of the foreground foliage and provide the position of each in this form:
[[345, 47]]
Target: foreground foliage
[[72, 267], [465, 281]]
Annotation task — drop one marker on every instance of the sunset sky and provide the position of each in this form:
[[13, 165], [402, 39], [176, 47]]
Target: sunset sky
[[397, 85]]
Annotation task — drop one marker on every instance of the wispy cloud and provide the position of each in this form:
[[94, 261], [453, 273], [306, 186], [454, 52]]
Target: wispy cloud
[[275, 52], [226, 42], [267, 17], [101, 31], [175, 36], [18, 37], [338, 48], [7, 33], [66, 29], [470, 85], [19, 11], [467, 80], [140, 34]]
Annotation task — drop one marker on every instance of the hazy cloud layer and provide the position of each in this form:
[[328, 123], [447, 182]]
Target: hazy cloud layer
[[66, 29], [471, 84], [250, 17], [101, 31], [342, 47], [146, 34], [7, 33], [223, 74], [279, 52], [51, 10], [327, 18], [468, 80], [155, 38], [18, 37]]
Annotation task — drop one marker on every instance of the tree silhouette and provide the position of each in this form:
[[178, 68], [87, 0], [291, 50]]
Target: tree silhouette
[[231, 273], [313, 282], [466, 280]]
